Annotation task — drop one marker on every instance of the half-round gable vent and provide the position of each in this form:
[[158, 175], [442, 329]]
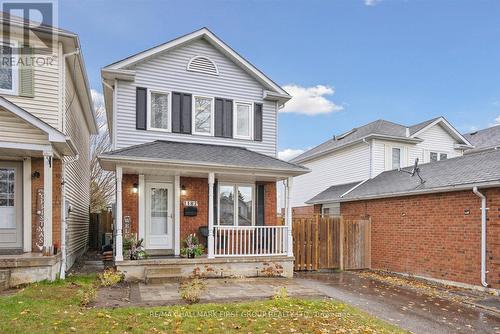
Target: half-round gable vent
[[202, 64]]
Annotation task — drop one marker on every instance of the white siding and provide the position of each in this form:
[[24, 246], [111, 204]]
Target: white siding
[[382, 153], [437, 139], [77, 176], [348, 165], [14, 129], [168, 72], [45, 103]]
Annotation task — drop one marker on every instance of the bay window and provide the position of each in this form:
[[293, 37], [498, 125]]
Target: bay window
[[203, 109], [236, 204]]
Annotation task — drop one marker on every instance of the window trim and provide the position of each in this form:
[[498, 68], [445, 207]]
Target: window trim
[[250, 120], [235, 209], [148, 107], [400, 157], [193, 115], [15, 69]]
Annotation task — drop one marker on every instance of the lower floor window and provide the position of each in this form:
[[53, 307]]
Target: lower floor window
[[236, 204]]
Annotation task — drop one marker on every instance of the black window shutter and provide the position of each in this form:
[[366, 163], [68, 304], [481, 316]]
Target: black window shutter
[[257, 128], [260, 205], [181, 113], [141, 101], [223, 118]]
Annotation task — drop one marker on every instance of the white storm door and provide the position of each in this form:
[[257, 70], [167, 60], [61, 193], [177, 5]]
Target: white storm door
[[11, 230], [159, 216]]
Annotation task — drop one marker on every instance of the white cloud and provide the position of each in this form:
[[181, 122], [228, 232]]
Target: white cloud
[[289, 153], [310, 100], [497, 120], [99, 109], [372, 2]]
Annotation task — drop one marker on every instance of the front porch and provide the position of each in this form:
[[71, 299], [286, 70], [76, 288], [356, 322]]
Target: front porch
[[231, 209]]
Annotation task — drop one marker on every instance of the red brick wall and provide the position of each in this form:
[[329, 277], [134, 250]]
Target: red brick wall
[[36, 184], [130, 201], [430, 235], [303, 211], [270, 205], [196, 190]]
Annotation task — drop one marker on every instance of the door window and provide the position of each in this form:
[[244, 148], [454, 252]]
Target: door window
[[7, 210], [159, 212]]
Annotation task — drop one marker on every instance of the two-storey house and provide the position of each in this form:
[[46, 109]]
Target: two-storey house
[[194, 130], [343, 162], [46, 119]]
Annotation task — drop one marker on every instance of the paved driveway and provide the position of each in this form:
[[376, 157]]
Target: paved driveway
[[404, 307]]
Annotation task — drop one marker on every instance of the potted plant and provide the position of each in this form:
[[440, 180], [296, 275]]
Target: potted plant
[[192, 247], [133, 248]]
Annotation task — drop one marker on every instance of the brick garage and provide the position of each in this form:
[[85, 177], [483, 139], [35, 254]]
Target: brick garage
[[432, 235]]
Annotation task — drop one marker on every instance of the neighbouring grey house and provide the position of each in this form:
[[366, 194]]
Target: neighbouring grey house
[[194, 127], [364, 152], [484, 139], [46, 120]]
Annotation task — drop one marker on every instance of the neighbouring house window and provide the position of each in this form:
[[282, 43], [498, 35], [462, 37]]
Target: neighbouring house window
[[396, 158], [7, 209], [435, 156], [443, 156], [159, 111], [8, 70], [331, 209], [243, 124], [203, 115], [236, 205]]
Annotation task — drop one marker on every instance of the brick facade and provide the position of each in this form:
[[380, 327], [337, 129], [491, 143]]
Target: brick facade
[[196, 190], [433, 235], [36, 185], [302, 211]]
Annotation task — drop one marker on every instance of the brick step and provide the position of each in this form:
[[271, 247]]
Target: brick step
[[4, 279], [163, 274]]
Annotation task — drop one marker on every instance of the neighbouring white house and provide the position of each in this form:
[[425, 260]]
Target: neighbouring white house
[[46, 119], [346, 160], [194, 131]]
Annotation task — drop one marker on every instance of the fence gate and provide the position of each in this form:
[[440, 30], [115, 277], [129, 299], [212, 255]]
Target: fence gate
[[331, 243]]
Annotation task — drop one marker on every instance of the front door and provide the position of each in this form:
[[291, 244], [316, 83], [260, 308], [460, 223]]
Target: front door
[[11, 230], [159, 216]]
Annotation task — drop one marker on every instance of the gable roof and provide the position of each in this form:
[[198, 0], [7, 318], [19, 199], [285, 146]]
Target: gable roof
[[484, 139], [465, 172], [378, 129], [203, 33], [202, 155]]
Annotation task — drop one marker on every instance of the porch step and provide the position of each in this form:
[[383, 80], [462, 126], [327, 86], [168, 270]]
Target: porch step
[[4, 279], [162, 274]]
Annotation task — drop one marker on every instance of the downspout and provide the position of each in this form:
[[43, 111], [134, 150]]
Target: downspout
[[483, 235], [64, 213]]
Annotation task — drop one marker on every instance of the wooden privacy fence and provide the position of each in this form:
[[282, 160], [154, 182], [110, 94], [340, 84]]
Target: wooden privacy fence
[[100, 224], [331, 243]]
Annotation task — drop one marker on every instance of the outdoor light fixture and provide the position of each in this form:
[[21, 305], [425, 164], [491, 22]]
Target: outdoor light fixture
[[35, 175], [135, 189], [183, 191]]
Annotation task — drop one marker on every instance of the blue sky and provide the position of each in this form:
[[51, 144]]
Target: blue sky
[[349, 62]]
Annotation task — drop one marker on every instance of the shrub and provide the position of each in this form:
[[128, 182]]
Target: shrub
[[192, 289], [110, 277]]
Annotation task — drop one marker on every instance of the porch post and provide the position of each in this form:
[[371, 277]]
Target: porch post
[[47, 199], [27, 204], [177, 214], [211, 180], [118, 218], [288, 215]]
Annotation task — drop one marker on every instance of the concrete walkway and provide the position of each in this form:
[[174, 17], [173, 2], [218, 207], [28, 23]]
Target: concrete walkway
[[403, 307]]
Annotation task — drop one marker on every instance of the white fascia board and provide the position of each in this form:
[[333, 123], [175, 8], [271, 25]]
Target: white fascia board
[[53, 134], [273, 96], [108, 163], [215, 41], [120, 74], [460, 187], [448, 126]]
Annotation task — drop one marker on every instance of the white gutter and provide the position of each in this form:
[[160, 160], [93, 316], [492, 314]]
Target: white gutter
[[483, 235], [64, 213]]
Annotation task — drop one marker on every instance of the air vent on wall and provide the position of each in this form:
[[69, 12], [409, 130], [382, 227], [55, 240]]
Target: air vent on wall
[[203, 65]]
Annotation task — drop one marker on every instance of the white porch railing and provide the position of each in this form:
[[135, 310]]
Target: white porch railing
[[250, 240]]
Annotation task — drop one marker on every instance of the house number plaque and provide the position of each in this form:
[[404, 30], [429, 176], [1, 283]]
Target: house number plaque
[[191, 203]]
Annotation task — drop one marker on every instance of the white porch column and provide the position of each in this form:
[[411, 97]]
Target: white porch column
[[47, 199], [142, 209], [27, 204], [177, 215], [119, 239], [211, 180], [288, 215]]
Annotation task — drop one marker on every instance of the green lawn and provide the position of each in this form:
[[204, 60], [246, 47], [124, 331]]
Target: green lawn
[[57, 308]]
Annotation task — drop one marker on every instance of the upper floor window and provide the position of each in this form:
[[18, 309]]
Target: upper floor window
[[435, 156], [203, 116], [159, 110], [8, 69], [243, 123], [396, 158]]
